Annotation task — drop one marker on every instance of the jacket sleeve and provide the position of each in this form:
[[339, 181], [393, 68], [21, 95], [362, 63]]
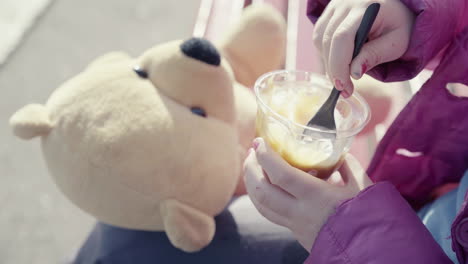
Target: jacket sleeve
[[377, 226], [425, 147], [436, 23]]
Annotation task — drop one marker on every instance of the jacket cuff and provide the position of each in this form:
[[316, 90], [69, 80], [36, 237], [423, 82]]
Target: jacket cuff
[[436, 24], [376, 226], [315, 9]]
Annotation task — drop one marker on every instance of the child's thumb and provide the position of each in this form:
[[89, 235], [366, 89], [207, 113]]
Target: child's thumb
[[377, 51], [353, 174]]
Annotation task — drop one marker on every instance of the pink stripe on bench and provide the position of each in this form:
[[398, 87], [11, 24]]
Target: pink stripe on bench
[[301, 53], [215, 16]]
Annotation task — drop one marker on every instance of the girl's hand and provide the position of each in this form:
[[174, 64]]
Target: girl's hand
[[335, 31], [295, 199]]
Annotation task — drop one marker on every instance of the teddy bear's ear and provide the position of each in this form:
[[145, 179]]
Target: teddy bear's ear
[[31, 121], [256, 44], [108, 58]]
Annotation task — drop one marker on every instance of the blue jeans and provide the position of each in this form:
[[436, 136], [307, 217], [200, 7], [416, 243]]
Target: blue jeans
[[439, 215]]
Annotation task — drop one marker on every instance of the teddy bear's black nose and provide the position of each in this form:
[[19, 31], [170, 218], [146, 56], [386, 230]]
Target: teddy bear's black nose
[[202, 50]]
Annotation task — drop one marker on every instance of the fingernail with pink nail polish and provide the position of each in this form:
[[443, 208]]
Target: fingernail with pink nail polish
[[338, 84], [345, 93], [255, 144], [363, 68]]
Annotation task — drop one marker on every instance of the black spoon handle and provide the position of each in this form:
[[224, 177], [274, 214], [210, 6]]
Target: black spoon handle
[[365, 26], [361, 38]]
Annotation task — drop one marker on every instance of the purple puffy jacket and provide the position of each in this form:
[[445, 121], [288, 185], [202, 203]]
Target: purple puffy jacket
[[378, 225]]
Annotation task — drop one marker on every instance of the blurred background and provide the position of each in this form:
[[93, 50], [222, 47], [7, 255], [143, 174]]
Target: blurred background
[[43, 43]]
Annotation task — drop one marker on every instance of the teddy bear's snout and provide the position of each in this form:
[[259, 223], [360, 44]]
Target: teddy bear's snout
[[202, 50]]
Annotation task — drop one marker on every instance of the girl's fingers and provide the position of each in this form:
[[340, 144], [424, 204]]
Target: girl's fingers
[[341, 52], [270, 214], [321, 25], [327, 38], [283, 175], [263, 192]]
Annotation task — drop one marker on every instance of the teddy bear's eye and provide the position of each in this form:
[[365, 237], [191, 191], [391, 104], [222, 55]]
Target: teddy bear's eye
[[198, 111], [140, 72]]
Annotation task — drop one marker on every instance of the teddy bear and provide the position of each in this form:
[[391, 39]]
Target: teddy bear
[[157, 142]]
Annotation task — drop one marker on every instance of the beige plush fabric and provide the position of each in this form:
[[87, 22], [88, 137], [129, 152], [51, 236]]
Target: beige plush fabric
[[252, 47], [130, 152]]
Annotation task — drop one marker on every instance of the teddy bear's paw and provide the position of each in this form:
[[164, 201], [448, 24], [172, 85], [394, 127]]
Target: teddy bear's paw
[[31, 121], [187, 228]]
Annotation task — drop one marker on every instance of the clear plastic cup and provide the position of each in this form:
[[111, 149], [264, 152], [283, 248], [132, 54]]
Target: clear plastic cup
[[286, 101]]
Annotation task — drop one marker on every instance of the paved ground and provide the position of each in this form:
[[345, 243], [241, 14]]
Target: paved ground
[[37, 224]]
